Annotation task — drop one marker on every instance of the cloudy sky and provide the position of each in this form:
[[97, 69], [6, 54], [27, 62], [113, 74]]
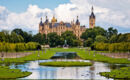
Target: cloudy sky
[[26, 14]]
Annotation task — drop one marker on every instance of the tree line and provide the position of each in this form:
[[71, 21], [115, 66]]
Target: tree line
[[20, 36], [88, 39]]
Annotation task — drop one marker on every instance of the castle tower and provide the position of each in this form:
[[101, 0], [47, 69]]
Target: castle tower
[[46, 26], [40, 26], [92, 19], [77, 28]]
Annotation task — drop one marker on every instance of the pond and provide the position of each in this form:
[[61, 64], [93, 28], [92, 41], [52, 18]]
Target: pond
[[45, 72]]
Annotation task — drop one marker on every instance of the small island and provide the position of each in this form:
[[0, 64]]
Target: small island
[[7, 73], [65, 63], [122, 73]]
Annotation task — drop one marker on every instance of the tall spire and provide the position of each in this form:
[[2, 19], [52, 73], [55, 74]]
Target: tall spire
[[46, 20], [46, 17], [77, 21], [77, 17], [92, 9], [92, 13], [41, 22], [41, 19]]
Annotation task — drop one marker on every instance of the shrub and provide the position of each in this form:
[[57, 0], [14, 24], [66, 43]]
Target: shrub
[[6, 47], [122, 47]]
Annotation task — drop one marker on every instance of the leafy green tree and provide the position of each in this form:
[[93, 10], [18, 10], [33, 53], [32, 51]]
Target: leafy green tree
[[2, 37], [53, 39], [18, 31], [6, 36], [100, 31], [123, 37], [14, 38], [39, 38], [100, 38], [27, 36], [88, 42], [92, 33], [69, 37], [111, 32], [113, 39]]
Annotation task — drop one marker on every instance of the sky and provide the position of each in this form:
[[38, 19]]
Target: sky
[[26, 14]]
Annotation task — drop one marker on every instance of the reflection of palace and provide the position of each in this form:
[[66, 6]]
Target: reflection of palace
[[60, 27]]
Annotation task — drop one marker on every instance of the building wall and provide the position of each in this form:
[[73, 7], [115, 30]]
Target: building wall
[[91, 22], [77, 29]]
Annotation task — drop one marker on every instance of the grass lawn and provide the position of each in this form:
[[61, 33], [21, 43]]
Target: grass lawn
[[98, 57], [32, 57], [118, 73], [65, 63], [7, 73], [81, 52]]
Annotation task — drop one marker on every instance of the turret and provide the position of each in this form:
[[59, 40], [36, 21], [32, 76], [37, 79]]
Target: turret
[[40, 26], [46, 21], [77, 21], [92, 19]]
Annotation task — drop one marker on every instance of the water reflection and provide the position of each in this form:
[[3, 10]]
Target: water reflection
[[44, 72]]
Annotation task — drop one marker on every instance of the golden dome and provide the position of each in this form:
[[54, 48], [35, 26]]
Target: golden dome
[[54, 19]]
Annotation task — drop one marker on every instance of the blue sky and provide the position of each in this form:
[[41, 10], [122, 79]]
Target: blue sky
[[21, 5], [26, 14]]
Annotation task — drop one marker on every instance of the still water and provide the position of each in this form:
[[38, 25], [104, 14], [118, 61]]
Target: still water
[[45, 72]]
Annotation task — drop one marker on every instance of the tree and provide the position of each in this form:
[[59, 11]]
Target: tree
[[88, 42], [113, 39], [53, 39], [14, 38], [89, 33], [92, 33], [27, 36], [100, 38], [100, 31], [39, 38], [2, 37], [18, 31], [69, 37], [111, 32], [124, 37]]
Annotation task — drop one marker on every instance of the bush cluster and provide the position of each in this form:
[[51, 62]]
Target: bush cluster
[[113, 47], [10, 47]]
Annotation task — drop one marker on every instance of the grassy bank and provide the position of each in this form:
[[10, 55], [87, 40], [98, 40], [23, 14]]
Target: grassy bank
[[37, 55], [122, 73], [65, 63], [98, 57], [7, 73]]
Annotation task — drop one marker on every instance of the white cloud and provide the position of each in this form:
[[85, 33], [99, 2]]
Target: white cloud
[[28, 20], [108, 12]]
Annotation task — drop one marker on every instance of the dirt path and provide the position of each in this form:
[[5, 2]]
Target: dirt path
[[117, 55], [14, 54]]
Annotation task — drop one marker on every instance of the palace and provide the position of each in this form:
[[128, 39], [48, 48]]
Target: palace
[[60, 27]]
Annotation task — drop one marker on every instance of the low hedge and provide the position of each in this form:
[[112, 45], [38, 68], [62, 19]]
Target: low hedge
[[113, 47], [10, 47]]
